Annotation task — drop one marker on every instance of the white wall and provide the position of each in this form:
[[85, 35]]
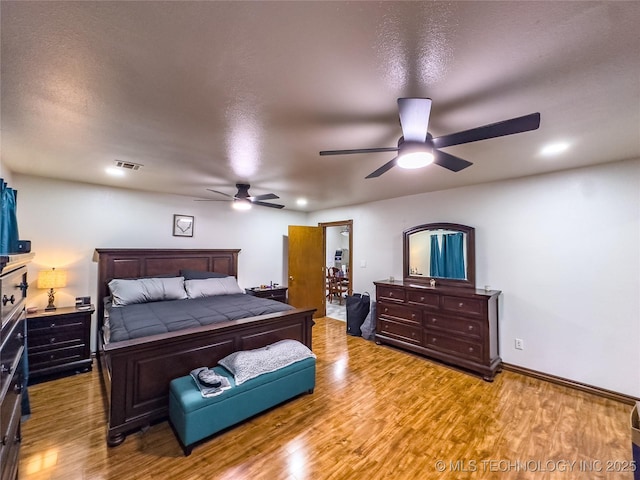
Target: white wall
[[564, 248], [66, 221]]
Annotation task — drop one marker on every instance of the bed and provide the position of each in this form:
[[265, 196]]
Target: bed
[[136, 372]]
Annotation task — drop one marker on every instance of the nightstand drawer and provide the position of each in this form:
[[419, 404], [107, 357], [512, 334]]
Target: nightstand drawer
[[51, 358], [390, 293], [59, 337], [46, 323]]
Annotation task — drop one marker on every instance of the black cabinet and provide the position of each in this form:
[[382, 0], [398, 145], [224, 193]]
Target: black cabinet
[[275, 293], [59, 341]]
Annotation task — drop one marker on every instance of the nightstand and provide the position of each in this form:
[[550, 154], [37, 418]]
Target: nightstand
[[275, 293], [59, 341]]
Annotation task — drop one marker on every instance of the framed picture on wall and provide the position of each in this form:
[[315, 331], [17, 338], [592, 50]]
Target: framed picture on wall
[[183, 225]]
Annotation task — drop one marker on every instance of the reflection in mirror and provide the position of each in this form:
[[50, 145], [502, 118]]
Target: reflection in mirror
[[438, 253]]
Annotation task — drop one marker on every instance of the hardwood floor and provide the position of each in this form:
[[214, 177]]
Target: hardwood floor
[[376, 413]]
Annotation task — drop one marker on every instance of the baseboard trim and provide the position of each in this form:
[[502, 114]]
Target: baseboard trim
[[602, 392]]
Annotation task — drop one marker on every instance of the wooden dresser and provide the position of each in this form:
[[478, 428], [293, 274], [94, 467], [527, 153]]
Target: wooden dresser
[[13, 292], [458, 326]]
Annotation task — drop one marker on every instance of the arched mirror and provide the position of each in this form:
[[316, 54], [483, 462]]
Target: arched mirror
[[443, 253]]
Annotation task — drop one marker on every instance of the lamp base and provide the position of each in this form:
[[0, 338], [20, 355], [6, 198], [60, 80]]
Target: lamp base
[[50, 306]]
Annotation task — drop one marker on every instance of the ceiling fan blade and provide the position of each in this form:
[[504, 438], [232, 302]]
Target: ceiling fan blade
[[414, 118], [266, 196], [265, 204], [499, 129], [387, 166], [221, 193], [360, 150], [450, 162], [210, 200]]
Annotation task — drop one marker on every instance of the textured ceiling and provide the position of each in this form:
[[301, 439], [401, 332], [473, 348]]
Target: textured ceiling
[[206, 94]]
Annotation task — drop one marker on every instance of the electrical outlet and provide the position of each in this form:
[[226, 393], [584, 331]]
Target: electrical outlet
[[519, 344]]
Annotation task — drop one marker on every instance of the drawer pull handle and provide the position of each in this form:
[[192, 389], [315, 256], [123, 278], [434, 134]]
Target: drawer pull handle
[[422, 299], [23, 286], [470, 349], [434, 320], [433, 340], [53, 340], [470, 327], [20, 336], [5, 300], [5, 369], [413, 315], [413, 334], [53, 325], [5, 439], [17, 388], [391, 294], [461, 305], [386, 309]]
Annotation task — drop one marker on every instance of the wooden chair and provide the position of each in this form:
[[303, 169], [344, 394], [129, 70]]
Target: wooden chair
[[336, 284]]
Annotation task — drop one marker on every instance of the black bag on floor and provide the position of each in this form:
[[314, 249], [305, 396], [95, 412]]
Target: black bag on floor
[[357, 309]]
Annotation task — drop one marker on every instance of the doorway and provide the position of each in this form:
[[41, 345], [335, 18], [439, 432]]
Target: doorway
[[338, 250]]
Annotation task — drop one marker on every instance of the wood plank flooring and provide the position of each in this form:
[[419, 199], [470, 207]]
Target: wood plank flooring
[[376, 413]]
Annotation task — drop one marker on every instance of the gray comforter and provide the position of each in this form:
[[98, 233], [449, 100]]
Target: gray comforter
[[145, 319]]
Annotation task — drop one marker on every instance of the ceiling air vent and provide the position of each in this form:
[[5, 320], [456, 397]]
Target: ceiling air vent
[[128, 165]]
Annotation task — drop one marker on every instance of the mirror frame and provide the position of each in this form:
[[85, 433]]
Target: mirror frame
[[470, 281]]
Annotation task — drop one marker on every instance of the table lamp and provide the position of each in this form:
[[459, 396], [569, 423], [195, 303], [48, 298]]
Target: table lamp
[[52, 279]]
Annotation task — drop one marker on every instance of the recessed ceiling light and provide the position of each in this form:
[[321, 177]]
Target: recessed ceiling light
[[554, 148], [114, 171], [301, 202]]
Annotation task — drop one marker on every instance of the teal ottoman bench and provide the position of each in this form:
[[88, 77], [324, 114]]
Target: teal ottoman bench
[[194, 417]]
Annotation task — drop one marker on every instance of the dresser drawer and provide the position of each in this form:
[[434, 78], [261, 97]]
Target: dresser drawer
[[401, 331], [423, 299], [463, 305], [11, 348], [395, 294], [400, 313], [463, 326], [454, 345], [13, 290], [10, 415]]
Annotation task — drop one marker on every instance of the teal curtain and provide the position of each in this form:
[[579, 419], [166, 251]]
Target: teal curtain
[[436, 267], [8, 219], [453, 253]]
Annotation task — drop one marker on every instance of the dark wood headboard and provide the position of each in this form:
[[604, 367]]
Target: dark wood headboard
[[146, 262]]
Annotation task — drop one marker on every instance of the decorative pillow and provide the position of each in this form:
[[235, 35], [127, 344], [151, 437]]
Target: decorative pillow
[[199, 275], [212, 286], [142, 290], [248, 364]]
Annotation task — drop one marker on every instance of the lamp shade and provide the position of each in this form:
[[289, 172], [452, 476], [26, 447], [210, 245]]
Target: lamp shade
[[52, 278]]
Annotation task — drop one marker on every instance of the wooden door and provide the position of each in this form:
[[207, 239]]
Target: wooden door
[[306, 268]]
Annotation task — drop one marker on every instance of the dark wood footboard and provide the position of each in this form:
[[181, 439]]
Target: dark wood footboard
[[137, 373]]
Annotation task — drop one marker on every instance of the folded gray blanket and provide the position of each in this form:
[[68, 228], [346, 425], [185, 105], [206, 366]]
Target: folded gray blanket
[[206, 390]]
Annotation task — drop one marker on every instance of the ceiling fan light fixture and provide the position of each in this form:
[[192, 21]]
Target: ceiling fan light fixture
[[242, 204], [414, 155]]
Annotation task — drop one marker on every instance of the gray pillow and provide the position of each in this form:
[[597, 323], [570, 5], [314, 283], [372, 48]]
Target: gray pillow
[[143, 290], [199, 275], [209, 287]]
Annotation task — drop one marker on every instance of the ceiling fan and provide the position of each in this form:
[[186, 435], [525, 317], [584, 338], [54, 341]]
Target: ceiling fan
[[417, 148], [243, 201]]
